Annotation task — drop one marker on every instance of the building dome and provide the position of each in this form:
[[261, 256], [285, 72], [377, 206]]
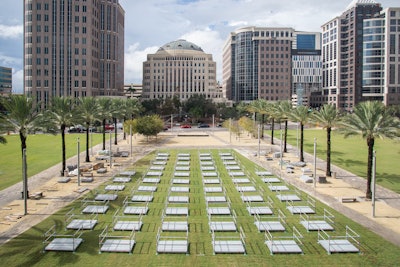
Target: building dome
[[180, 45]]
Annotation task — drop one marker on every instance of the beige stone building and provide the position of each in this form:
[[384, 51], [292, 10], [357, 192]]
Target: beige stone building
[[73, 48], [179, 69]]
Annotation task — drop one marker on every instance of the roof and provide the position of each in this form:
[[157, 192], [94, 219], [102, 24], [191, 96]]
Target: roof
[[180, 45], [355, 3]]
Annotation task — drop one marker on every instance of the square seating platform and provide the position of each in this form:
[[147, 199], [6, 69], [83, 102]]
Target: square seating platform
[[64, 244], [172, 246], [117, 245], [228, 246]]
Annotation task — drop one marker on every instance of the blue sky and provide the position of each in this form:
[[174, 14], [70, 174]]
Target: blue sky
[[152, 23]]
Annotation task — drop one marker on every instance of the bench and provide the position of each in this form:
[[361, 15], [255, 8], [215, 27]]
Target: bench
[[87, 174], [81, 189], [348, 199], [36, 195]]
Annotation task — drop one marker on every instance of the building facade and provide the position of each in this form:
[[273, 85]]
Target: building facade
[[306, 67], [73, 48], [257, 64], [342, 54], [179, 69], [5, 81], [381, 57]]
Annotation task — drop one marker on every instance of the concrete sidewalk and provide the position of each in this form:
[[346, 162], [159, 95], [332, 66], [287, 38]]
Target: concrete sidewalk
[[57, 195]]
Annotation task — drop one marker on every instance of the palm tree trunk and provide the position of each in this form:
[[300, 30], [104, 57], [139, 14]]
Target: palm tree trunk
[[262, 125], [285, 142], [272, 131], [87, 142], [328, 151], [370, 143], [115, 131], [25, 190], [301, 142], [63, 149]]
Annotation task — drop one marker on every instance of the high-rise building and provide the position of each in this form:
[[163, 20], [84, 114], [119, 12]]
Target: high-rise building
[[381, 57], [73, 48], [342, 54], [5, 81], [306, 67], [257, 64], [179, 69]]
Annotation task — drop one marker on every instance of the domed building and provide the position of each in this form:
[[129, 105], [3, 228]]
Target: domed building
[[179, 69]]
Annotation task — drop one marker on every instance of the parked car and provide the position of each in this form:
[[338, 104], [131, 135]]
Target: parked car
[[203, 125], [109, 127], [186, 126]]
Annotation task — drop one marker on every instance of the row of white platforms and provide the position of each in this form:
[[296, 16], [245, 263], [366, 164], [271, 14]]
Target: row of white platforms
[[222, 219]]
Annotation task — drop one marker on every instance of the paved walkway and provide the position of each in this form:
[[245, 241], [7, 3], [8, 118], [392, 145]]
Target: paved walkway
[[58, 195]]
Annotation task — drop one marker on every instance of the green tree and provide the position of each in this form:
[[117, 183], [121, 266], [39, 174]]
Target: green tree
[[259, 106], [22, 116], [328, 117], [300, 114], [371, 120], [148, 125], [61, 114], [104, 115], [88, 110]]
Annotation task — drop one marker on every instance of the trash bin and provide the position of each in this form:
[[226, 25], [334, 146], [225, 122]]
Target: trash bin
[[333, 175]]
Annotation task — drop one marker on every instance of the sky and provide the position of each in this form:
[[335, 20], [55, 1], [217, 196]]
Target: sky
[[150, 24]]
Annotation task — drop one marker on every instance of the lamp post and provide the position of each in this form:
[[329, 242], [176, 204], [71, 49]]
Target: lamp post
[[373, 182], [130, 133], [230, 130], [315, 162], [259, 143], [78, 165], [281, 155]]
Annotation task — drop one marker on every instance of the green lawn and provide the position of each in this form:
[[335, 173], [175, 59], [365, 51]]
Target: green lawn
[[43, 151], [351, 154], [26, 249]]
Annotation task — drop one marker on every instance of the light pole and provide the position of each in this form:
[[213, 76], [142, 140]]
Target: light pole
[[78, 165], [230, 130], [315, 162], [259, 143], [130, 133], [373, 182], [281, 155]]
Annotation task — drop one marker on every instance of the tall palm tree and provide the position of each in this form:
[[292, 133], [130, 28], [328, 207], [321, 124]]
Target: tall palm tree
[[22, 116], [284, 108], [62, 115], [88, 111], [105, 105], [273, 115], [300, 114], [371, 120], [328, 116], [259, 106]]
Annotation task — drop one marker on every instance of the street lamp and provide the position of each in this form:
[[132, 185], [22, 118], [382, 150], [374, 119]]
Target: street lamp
[[373, 182], [259, 143], [78, 165], [315, 162]]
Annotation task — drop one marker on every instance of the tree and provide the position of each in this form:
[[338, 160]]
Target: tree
[[61, 114], [300, 114], [21, 116], [104, 115], [88, 109], [261, 107], [284, 109], [328, 117], [148, 125], [371, 120]]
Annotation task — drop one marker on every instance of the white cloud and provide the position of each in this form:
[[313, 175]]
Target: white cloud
[[134, 58], [17, 82], [11, 32]]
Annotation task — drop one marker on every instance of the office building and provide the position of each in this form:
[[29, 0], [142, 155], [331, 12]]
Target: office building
[[179, 69], [342, 54], [5, 81], [306, 67], [381, 57], [257, 64], [73, 48]]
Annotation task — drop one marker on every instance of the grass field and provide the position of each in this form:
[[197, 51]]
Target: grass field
[[26, 249], [351, 154], [43, 151]]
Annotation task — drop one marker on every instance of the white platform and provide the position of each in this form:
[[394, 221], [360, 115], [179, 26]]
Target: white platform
[[271, 180], [128, 226], [211, 181], [300, 209], [219, 211], [151, 180], [180, 181], [240, 180], [117, 245], [147, 188], [213, 189], [172, 246], [316, 225], [122, 179], [252, 198], [288, 197], [113, 187], [246, 189], [216, 199], [283, 246], [174, 226], [82, 224], [95, 209], [272, 226], [223, 226], [64, 244], [259, 210], [136, 210], [142, 198], [178, 199], [338, 246], [278, 188], [103, 197], [228, 246], [182, 189], [177, 211]]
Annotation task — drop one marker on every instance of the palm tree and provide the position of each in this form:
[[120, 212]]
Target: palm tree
[[328, 117], [259, 106], [273, 115], [300, 114], [371, 120], [21, 116], [61, 114], [284, 108], [104, 115], [88, 111]]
